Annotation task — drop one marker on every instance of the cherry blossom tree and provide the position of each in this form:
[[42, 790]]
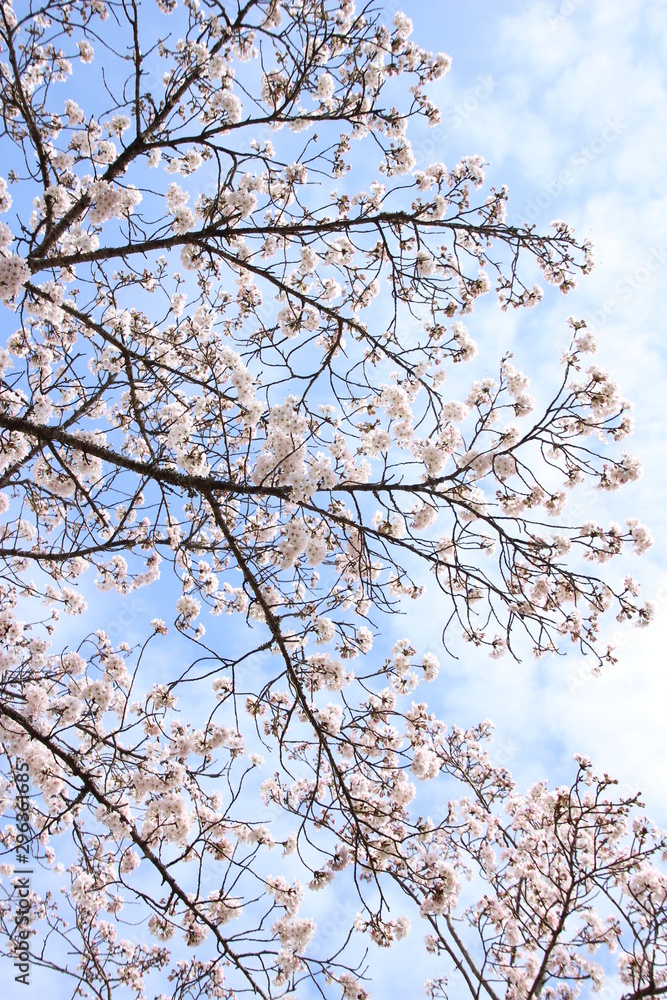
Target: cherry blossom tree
[[232, 305]]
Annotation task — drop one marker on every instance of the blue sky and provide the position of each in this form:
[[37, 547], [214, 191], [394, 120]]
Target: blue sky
[[567, 101]]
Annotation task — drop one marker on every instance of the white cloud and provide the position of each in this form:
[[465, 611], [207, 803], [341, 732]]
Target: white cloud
[[579, 89]]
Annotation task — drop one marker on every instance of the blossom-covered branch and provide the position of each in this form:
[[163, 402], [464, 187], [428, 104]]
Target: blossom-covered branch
[[235, 306]]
